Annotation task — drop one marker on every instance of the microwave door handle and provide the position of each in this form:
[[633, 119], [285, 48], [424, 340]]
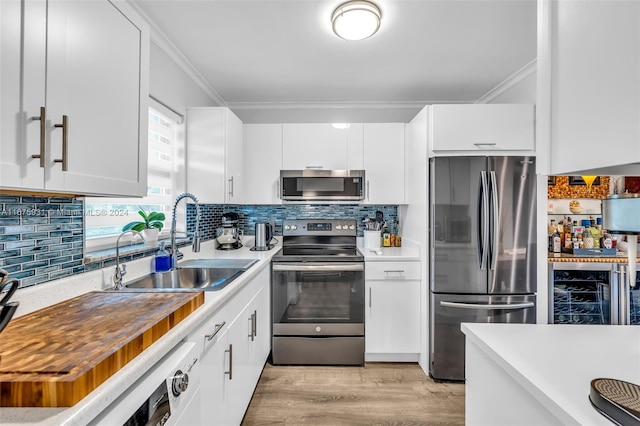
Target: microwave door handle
[[493, 252], [483, 220]]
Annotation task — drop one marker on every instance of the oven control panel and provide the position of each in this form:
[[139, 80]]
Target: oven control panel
[[347, 227]]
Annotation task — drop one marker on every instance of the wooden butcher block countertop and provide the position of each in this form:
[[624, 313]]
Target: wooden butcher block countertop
[[56, 356]]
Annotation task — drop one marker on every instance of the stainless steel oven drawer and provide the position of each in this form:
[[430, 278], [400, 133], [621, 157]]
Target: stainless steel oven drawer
[[318, 329], [318, 351]]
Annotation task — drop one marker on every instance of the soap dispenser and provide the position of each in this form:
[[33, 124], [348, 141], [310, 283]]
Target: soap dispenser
[[163, 259]]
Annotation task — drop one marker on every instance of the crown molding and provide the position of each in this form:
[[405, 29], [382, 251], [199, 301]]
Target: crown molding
[[161, 40], [509, 82], [334, 105]]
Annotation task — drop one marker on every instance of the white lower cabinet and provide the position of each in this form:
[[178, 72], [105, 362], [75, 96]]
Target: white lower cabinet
[[392, 311], [236, 346]]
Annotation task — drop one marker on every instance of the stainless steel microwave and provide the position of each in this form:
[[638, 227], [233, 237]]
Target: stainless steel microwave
[[318, 184]]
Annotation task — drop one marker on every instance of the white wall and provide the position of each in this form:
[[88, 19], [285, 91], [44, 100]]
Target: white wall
[[176, 89], [518, 88], [521, 92], [171, 85]]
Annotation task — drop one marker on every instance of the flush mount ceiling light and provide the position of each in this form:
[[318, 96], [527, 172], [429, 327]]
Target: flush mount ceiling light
[[356, 20]]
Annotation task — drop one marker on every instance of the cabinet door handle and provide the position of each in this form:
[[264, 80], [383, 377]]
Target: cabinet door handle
[[230, 372], [231, 186], [397, 274], [369, 296], [65, 132], [482, 144], [314, 167], [217, 329], [43, 132], [367, 190], [251, 327], [255, 324]]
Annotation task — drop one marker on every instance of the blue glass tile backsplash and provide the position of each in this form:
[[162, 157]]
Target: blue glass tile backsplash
[[42, 238], [251, 214]]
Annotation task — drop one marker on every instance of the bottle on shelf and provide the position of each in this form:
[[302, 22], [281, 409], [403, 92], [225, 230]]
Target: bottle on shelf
[[587, 238], [568, 238], [596, 234], [556, 241], [605, 240], [552, 227]]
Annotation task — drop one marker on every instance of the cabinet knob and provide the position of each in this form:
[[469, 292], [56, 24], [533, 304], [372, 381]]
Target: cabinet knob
[[180, 383]]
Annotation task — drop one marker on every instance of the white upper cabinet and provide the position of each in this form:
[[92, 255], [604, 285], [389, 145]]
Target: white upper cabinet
[[482, 127], [214, 155], [384, 163], [234, 165], [82, 127], [262, 163], [321, 146], [589, 85]]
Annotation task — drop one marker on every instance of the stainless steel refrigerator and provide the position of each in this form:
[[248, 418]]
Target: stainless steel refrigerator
[[483, 250]]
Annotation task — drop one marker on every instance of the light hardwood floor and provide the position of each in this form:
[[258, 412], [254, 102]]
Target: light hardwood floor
[[377, 394]]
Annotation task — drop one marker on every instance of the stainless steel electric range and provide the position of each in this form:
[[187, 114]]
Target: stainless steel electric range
[[318, 294]]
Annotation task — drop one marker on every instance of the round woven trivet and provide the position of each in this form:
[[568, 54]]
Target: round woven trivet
[[617, 400]]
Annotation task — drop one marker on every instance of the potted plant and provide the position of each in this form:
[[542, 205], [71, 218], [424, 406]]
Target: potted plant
[[150, 226]]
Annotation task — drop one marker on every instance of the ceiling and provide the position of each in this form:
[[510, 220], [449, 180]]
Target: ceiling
[[278, 60]]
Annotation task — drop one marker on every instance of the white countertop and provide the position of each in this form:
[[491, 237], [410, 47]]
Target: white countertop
[[43, 295], [408, 252], [556, 363]]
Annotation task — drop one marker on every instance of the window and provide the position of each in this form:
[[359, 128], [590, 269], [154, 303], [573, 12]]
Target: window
[[105, 217]]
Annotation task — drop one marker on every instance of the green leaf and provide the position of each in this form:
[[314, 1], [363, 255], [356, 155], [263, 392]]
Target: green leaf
[[136, 226], [155, 216], [144, 215]]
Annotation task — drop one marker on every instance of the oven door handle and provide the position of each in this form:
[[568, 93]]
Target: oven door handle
[[332, 266]]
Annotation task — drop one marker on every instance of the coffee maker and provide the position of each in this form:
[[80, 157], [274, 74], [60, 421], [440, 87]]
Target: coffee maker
[[229, 236]]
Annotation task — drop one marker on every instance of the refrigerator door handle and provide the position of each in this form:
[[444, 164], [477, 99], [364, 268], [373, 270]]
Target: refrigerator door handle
[[483, 220], [498, 306], [493, 244]]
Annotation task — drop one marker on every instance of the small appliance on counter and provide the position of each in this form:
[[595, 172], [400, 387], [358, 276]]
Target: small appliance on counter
[[229, 236], [264, 236], [7, 309]]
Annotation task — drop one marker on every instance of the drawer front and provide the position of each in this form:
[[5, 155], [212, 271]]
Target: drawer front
[[392, 271], [210, 331]]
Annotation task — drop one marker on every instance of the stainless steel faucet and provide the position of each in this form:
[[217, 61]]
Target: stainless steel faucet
[[196, 236], [121, 271]]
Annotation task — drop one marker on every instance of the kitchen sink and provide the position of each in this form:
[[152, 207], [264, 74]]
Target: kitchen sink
[[197, 274]]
